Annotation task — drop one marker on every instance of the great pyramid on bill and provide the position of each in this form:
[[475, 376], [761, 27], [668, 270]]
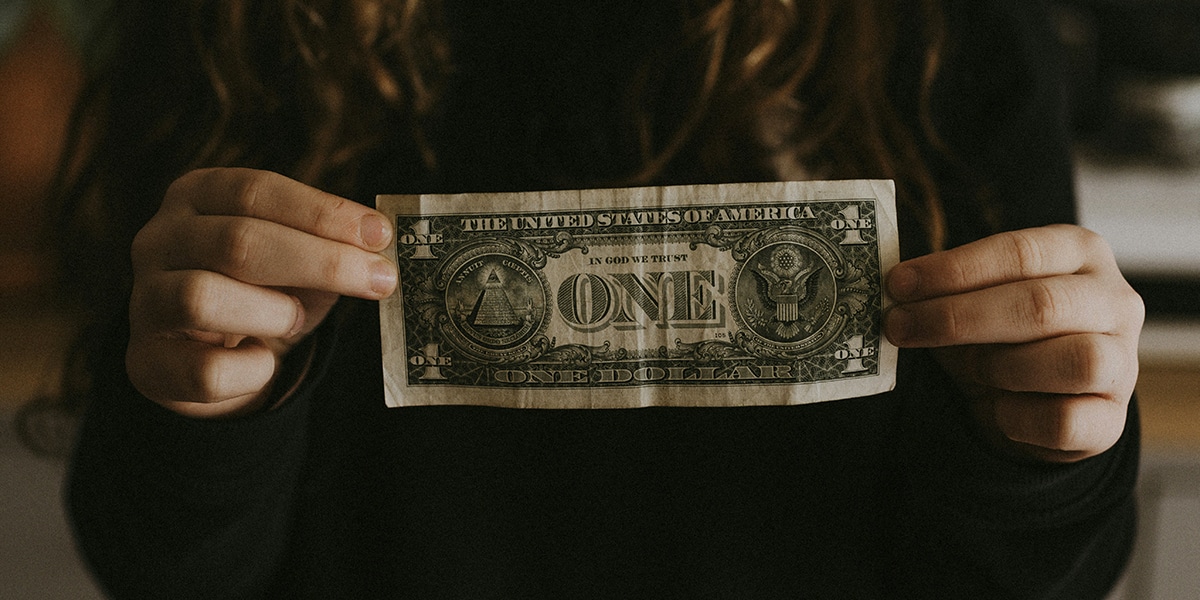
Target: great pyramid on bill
[[492, 308]]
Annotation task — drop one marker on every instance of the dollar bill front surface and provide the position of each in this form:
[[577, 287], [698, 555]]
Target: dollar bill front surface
[[707, 295]]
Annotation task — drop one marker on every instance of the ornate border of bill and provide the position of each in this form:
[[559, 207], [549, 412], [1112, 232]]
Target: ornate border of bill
[[704, 295]]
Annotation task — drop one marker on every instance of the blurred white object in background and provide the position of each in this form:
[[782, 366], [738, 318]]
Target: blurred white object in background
[[1157, 116], [1149, 213]]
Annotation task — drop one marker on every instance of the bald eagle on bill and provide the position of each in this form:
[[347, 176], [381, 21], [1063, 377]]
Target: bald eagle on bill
[[786, 280]]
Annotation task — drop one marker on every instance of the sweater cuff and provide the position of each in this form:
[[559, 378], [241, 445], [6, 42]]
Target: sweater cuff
[[954, 469], [212, 459]]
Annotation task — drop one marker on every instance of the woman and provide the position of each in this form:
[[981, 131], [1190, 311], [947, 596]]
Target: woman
[[237, 444]]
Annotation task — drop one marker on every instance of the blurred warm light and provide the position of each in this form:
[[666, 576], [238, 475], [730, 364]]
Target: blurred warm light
[[40, 75]]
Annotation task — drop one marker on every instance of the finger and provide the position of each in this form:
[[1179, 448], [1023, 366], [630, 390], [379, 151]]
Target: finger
[[1095, 364], [1003, 258], [210, 302], [1013, 313], [1071, 426], [260, 252], [177, 369], [273, 197]]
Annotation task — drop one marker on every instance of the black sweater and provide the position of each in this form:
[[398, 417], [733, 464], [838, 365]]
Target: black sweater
[[893, 496]]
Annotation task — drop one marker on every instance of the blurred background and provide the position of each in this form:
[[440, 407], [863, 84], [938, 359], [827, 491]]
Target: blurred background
[[1134, 75], [1135, 84]]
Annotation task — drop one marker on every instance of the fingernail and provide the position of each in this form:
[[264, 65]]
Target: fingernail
[[903, 282], [383, 278], [299, 323], [374, 231], [898, 326]]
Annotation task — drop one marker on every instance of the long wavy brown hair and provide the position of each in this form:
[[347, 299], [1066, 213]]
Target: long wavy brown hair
[[682, 91]]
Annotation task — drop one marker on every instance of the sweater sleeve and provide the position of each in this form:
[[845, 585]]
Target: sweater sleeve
[[165, 506], [977, 523]]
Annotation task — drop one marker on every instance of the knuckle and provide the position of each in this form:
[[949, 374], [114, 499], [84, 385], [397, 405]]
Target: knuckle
[[248, 190], [205, 382], [237, 248], [1095, 251], [955, 324], [1056, 426], [333, 266], [1045, 307], [1088, 424], [959, 274], [1063, 431], [1080, 424], [1092, 243], [1085, 365], [195, 296], [329, 215], [945, 323], [1027, 253]]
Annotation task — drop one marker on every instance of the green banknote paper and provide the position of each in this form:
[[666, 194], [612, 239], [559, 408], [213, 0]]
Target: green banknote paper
[[706, 295]]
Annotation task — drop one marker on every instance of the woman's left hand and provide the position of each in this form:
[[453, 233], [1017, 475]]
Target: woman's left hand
[[1039, 329]]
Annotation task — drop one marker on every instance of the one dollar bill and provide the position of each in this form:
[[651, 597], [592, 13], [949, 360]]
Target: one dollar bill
[[706, 295]]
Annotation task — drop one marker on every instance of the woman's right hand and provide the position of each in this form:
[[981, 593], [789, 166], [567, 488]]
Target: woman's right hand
[[234, 270]]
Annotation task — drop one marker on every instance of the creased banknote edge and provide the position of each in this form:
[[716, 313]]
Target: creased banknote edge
[[778, 394], [490, 203], [889, 257]]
